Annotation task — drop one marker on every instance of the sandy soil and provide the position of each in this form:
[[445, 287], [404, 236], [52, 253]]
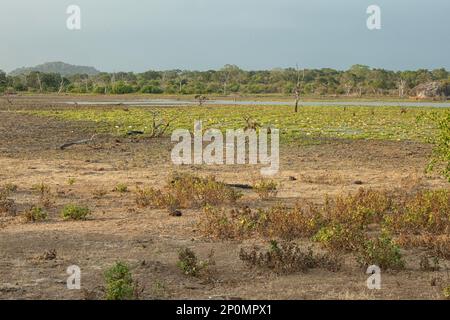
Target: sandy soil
[[149, 240]]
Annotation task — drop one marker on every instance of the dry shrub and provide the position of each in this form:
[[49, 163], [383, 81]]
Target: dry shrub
[[188, 191], [237, 223], [277, 222], [361, 209], [45, 194], [285, 223], [287, 258], [438, 245], [426, 211], [423, 220]]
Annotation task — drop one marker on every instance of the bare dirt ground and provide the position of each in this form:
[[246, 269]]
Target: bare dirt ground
[[149, 240]]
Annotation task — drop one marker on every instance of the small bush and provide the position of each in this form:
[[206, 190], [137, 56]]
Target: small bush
[[75, 212], [189, 264], [119, 283], [266, 189], [71, 181], [288, 258], [382, 252], [35, 214], [340, 237], [188, 191]]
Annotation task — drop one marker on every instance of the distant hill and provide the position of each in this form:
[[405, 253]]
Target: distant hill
[[62, 68]]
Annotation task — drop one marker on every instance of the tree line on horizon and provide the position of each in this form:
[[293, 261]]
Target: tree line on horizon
[[359, 80]]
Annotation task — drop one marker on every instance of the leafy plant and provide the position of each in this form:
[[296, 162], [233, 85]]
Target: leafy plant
[[119, 283], [382, 252], [340, 237], [35, 214], [75, 212], [189, 264]]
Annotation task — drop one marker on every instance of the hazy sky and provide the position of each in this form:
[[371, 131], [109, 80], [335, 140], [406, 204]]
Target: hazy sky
[[137, 35]]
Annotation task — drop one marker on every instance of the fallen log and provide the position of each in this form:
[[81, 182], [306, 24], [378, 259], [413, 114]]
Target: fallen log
[[69, 144]]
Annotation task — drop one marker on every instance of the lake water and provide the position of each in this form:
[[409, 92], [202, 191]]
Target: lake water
[[174, 102]]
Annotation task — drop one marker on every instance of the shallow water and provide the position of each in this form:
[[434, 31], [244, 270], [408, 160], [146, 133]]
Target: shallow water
[[173, 102]]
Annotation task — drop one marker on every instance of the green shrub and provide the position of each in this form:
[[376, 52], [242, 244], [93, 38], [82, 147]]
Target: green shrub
[[119, 283], [122, 88], [340, 237], [35, 214], [382, 252], [75, 212]]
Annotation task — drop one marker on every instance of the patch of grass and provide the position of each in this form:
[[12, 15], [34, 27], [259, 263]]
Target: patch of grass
[[266, 189], [71, 181], [75, 212], [441, 141], [287, 258], [351, 122], [119, 283]]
